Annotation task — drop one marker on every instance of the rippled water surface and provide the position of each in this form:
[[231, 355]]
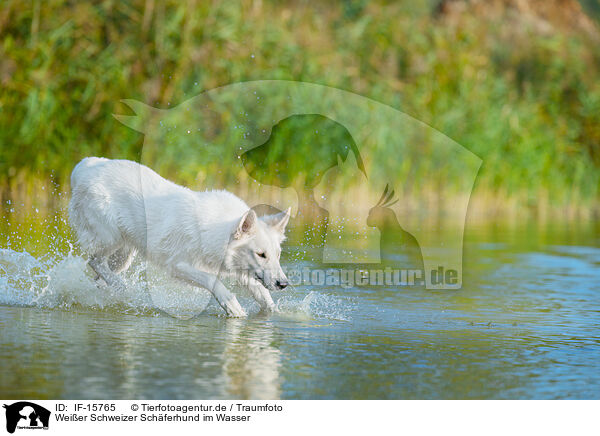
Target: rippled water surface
[[526, 324]]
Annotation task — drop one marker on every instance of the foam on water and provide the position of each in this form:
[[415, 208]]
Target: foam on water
[[65, 282]]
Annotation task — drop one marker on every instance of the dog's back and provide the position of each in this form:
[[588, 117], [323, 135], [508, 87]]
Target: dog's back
[[121, 203], [107, 206]]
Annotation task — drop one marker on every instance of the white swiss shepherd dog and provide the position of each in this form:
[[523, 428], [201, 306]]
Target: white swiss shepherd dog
[[119, 208]]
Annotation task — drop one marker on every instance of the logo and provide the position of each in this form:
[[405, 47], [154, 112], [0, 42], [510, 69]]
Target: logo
[[26, 415], [329, 154]]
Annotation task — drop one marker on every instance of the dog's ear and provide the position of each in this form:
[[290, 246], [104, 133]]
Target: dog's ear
[[278, 221], [246, 225]]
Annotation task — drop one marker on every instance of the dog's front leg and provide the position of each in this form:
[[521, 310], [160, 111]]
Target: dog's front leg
[[261, 294], [211, 283], [98, 264]]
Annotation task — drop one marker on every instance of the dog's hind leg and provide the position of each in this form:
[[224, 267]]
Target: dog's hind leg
[[121, 259], [211, 283], [98, 263]]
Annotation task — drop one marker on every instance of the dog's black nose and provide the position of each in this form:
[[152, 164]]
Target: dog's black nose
[[281, 284]]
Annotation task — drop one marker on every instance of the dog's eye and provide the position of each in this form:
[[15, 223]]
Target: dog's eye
[[262, 254]]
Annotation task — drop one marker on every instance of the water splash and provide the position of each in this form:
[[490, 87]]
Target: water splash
[[65, 282], [316, 305]]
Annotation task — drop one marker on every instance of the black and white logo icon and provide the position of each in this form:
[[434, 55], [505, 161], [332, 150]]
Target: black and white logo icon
[[26, 415]]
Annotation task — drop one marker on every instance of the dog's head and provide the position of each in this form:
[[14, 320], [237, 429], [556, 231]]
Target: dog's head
[[255, 248]]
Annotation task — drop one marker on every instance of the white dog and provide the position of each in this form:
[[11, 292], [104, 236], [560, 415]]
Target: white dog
[[120, 207]]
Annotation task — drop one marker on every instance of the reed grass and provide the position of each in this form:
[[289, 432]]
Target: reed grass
[[523, 96]]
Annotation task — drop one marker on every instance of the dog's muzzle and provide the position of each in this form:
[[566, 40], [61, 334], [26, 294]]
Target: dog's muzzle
[[281, 284]]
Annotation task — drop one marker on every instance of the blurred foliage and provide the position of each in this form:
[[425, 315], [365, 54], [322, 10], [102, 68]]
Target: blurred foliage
[[523, 96]]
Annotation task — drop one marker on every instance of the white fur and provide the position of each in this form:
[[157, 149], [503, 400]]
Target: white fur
[[120, 207]]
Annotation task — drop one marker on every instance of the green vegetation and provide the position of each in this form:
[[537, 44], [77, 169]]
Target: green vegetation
[[521, 91]]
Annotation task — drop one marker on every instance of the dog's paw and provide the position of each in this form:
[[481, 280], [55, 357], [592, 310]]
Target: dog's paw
[[269, 308], [233, 308]]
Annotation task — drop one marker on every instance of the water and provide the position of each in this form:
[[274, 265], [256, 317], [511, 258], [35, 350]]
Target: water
[[525, 325]]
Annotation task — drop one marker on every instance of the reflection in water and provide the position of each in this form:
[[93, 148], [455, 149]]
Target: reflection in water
[[56, 354], [250, 363]]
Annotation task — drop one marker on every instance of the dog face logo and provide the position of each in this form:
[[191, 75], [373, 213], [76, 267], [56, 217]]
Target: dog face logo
[[26, 415]]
